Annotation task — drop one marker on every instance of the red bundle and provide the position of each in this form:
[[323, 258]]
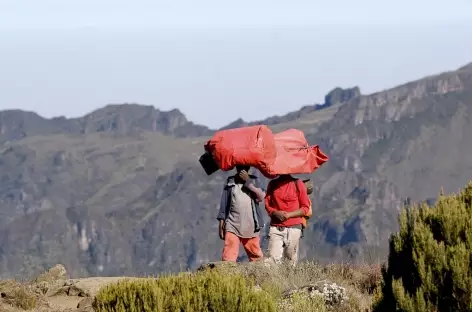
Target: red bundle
[[294, 155], [251, 146], [286, 152]]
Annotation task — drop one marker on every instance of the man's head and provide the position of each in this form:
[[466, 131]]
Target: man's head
[[284, 177], [241, 168]]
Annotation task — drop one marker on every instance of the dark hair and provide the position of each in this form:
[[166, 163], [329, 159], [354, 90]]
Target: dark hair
[[240, 168]]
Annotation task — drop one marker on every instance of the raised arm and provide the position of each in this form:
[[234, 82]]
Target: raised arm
[[256, 189]]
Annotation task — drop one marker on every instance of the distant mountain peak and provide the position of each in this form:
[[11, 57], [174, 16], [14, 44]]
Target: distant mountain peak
[[174, 111], [236, 124], [335, 96], [340, 95], [126, 118], [467, 67], [121, 119]]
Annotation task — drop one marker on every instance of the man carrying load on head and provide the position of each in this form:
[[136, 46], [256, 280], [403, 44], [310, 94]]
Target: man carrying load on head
[[240, 218], [288, 205]]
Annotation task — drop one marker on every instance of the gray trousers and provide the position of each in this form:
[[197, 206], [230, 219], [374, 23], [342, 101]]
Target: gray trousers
[[284, 244]]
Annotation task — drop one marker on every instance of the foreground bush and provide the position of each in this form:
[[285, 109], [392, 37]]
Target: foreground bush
[[429, 264], [206, 291]]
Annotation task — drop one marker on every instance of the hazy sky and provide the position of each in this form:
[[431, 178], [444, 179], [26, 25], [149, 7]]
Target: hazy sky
[[220, 60]]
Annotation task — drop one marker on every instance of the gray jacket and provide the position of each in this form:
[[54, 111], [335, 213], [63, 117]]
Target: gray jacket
[[256, 200]]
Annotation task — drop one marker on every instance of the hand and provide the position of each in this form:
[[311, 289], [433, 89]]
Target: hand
[[295, 214], [243, 175], [221, 230], [281, 215]]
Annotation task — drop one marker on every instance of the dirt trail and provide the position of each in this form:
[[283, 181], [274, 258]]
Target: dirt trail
[[62, 303]]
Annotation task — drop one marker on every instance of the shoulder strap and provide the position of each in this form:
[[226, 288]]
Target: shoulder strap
[[229, 198], [269, 190], [295, 180], [229, 190]]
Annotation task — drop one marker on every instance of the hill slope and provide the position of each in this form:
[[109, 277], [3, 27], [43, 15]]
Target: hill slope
[[120, 191]]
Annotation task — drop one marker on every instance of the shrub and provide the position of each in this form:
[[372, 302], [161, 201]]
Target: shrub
[[430, 258], [203, 291], [358, 280]]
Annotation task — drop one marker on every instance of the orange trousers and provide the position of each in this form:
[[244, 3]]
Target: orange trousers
[[252, 246]]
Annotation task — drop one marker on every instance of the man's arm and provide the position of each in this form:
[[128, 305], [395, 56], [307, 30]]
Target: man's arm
[[255, 189], [223, 205], [268, 200], [303, 200], [272, 211]]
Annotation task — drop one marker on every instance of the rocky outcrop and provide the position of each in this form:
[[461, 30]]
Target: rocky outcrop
[[332, 294], [53, 291], [339, 95]]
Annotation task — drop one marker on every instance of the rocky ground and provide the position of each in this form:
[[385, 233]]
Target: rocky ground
[[54, 291]]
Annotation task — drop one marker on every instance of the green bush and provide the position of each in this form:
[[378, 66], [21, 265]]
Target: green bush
[[430, 258], [205, 291]]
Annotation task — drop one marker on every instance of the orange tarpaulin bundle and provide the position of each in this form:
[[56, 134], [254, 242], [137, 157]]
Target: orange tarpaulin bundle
[[294, 155], [251, 146], [286, 152]]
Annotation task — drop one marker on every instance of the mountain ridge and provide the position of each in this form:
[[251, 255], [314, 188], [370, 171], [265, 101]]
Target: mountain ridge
[[122, 193], [336, 95], [172, 122]]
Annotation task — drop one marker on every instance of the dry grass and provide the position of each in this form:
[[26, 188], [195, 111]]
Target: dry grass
[[18, 295], [361, 282]]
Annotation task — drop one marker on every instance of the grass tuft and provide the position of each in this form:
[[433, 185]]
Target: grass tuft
[[18, 295]]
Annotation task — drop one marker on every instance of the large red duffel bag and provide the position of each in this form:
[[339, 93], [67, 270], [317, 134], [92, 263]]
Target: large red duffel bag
[[294, 155], [251, 146]]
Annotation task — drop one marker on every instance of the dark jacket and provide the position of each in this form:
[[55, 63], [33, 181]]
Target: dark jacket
[[256, 209]]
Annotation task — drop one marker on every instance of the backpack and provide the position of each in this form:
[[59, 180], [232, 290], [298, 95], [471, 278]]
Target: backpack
[[309, 189]]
